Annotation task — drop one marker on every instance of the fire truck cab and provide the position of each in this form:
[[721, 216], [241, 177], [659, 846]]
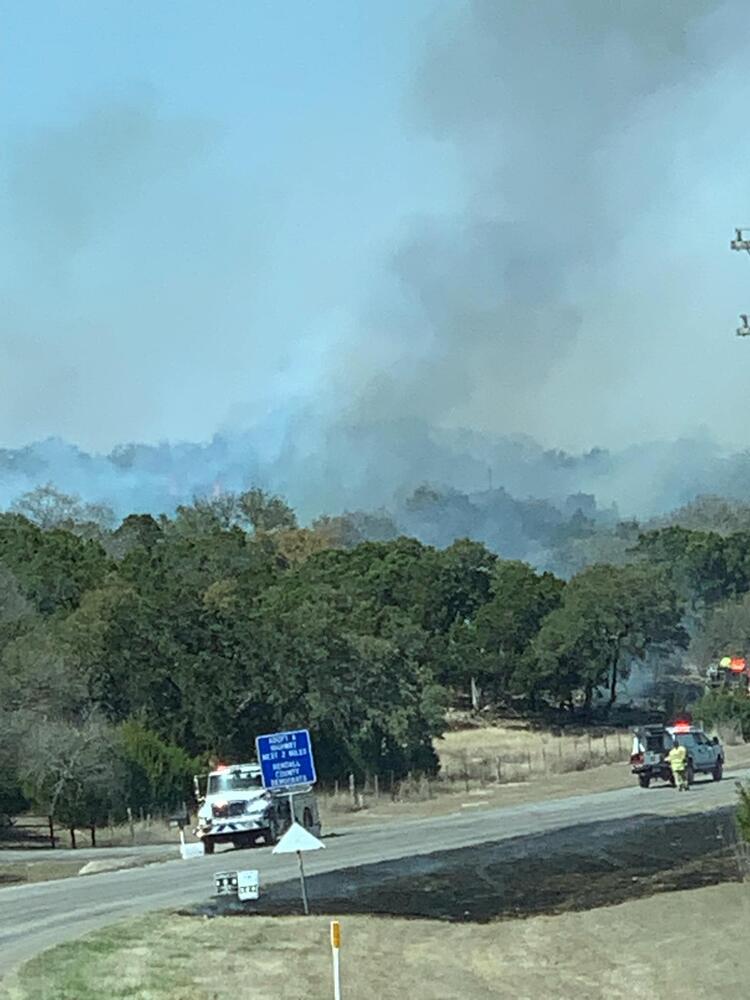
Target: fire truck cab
[[234, 807]]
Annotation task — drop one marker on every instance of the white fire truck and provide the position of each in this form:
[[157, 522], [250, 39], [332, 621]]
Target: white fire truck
[[235, 808]]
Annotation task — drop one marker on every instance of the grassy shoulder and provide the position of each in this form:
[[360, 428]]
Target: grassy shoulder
[[638, 949]]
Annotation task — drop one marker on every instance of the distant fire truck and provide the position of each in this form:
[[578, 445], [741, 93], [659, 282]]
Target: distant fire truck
[[731, 673]]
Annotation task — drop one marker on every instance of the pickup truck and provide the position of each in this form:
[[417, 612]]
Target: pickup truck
[[651, 745]]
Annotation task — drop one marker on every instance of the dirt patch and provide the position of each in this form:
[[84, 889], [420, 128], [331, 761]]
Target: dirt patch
[[579, 868]]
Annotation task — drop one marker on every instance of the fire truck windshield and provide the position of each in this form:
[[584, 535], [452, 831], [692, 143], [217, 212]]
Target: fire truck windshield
[[233, 781]]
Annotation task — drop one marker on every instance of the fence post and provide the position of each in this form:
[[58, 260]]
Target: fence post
[[51, 820], [606, 751], [353, 791], [465, 762], [130, 824], [499, 768], [376, 782]]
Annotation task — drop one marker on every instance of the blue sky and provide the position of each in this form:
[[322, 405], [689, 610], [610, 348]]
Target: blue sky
[[476, 213], [231, 176]]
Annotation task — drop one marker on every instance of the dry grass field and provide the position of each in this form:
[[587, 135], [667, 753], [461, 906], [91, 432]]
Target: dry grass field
[[513, 752], [663, 946]]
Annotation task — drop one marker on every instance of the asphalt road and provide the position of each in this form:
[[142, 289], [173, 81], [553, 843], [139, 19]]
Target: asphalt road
[[34, 917]]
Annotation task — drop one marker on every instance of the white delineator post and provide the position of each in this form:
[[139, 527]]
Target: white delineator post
[[335, 949]]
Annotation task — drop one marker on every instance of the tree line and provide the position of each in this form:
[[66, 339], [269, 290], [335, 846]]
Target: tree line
[[133, 654]]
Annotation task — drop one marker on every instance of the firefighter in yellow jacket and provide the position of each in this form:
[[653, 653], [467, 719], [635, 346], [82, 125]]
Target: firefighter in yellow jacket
[[677, 760]]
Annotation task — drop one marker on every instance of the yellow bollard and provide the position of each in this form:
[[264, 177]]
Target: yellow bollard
[[335, 949]]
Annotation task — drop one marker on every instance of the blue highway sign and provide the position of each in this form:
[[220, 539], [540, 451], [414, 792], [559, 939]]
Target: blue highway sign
[[286, 759]]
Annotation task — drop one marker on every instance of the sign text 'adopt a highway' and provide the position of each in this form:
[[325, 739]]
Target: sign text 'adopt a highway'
[[286, 759]]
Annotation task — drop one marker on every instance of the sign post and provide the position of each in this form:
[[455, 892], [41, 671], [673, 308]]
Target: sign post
[[296, 840], [335, 948]]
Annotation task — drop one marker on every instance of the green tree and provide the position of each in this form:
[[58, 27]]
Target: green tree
[[506, 625], [266, 511], [12, 799], [136, 530], [49, 508], [705, 567], [157, 773], [53, 568], [609, 616], [724, 707], [725, 631]]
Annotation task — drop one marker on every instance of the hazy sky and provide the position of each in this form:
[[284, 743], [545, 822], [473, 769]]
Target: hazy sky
[[501, 215]]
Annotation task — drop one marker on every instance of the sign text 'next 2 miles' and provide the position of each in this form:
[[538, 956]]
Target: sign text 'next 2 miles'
[[286, 759]]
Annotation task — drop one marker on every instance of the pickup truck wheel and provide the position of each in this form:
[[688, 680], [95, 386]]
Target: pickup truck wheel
[[208, 846], [644, 780], [690, 773], [718, 771]]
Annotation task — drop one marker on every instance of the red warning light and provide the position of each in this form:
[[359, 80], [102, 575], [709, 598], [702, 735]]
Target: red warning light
[[737, 663]]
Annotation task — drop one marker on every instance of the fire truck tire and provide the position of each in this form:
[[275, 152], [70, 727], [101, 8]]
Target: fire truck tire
[[208, 845], [718, 771]]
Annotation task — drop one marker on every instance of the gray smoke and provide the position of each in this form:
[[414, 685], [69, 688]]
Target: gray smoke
[[576, 298], [494, 318]]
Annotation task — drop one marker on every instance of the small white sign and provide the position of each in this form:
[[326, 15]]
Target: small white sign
[[191, 851], [248, 885], [226, 883]]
